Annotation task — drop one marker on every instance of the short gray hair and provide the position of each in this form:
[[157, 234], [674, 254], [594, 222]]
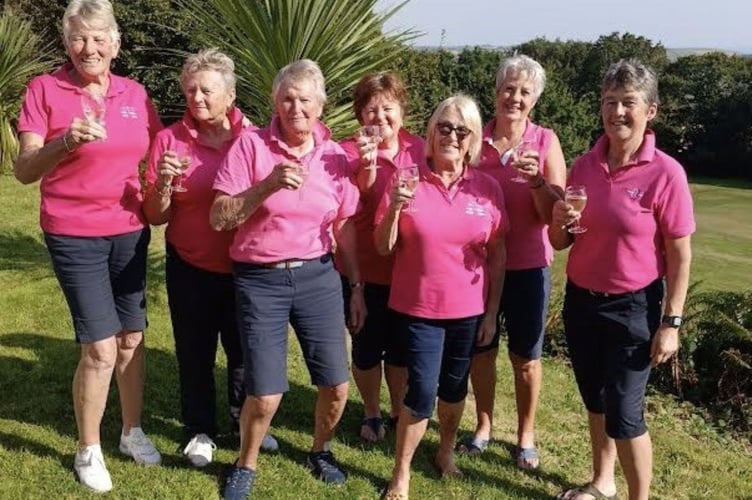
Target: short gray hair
[[88, 11], [301, 70], [467, 108], [517, 64], [634, 75], [210, 60]]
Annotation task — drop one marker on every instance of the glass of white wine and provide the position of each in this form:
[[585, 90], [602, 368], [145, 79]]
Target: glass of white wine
[[518, 153], [576, 196], [183, 153], [409, 176], [372, 134], [94, 107]]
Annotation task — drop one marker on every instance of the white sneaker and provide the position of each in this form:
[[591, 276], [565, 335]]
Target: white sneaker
[[269, 443], [90, 469], [199, 450], [137, 446]]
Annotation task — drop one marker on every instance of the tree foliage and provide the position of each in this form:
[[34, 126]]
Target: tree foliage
[[23, 55]]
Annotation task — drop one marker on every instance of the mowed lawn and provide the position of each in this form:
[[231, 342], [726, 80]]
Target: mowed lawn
[[38, 434]]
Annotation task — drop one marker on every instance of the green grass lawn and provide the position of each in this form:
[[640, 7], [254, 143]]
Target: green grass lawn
[[38, 435]]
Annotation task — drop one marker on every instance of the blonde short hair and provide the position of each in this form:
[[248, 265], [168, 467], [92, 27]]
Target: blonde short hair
[[467, 108], [88, 12]]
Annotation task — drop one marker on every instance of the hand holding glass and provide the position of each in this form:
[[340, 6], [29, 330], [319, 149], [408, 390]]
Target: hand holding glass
[[577, 197], [372, 135], [518, 154], [409, 177], [183, 154], [93, 106]]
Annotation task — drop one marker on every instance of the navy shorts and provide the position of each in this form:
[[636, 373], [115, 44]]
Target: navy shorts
[[609, 340], [524, 310], [310, 299], [438, 360], [380, 338], [103, 280]]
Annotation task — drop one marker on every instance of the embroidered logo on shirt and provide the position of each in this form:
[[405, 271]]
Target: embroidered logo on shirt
[[634, 193], [128, 112], [475, 208]]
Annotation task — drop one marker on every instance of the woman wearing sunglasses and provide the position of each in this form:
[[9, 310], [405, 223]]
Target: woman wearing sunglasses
[[527, 162], [447, 236]]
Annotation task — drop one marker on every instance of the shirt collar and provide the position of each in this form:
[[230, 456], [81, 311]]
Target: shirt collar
[[63, 80]]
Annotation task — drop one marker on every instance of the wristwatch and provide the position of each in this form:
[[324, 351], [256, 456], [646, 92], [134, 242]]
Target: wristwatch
[[672, 321]]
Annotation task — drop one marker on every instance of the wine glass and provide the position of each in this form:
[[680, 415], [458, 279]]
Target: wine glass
[[518, 152], [409, 176], [183, 153], [302, 171], [93, 106], [577, 197], [372, 134]]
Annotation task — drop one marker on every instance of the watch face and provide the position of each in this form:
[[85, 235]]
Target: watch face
[[672, 321]]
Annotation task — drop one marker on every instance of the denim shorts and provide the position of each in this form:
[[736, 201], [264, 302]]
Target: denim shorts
[[438, 360], [310, 299], [609, 339], [103, 280], [380, 338], [523, 309]]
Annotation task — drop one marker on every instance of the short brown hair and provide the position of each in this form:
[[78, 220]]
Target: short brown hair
[[379, 83]]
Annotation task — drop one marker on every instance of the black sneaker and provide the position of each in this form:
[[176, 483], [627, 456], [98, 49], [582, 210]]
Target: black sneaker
[[239, 483], [325, 467]]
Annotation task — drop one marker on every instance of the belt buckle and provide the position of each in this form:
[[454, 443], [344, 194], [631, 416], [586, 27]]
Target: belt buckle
[[599, 294], [293, 264]]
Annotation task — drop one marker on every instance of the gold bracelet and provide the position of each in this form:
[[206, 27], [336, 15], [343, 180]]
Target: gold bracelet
[[65, 143]]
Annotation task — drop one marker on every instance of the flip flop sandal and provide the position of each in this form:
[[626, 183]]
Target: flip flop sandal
[[524, 455], [393, 495], [587, 489], [376, 425], [472, 446]]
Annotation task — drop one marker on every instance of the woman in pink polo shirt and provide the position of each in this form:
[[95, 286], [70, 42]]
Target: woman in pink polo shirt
[[637, 225], [286, 189], [83, 132], [527, 161], [380, 100], [447, 236], [198, 266]]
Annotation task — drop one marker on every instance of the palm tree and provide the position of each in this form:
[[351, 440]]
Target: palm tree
[[23, 55], [345, 37]]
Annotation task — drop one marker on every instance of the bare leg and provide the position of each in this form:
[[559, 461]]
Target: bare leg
[[396, 382], [330, 405], [255, 419], [483, 378], [369, 386], [129, 373], [603, 451], [528, 374], [91, 384], [449, 421], [636, 459], [410, 431]]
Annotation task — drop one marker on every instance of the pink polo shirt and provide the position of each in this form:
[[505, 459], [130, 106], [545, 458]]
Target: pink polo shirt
[[628, 215], [440, 265], [375, 268], [188, 230], [527, 242], [95, 190], [288, 224]]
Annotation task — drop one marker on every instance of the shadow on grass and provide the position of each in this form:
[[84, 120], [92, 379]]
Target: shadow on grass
[[21, 252]]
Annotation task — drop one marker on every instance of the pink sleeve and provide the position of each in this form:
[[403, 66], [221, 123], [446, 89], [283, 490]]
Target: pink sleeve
[[353, 156], [383, 206], [33, 117], [158, 146], [675, 211], [349, 193], [501, 219], [155, 124], [235, 172]]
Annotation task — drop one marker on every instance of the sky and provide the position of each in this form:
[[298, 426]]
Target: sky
[[717, 24]]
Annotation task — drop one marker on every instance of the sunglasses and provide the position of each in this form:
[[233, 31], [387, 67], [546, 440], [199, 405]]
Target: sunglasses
[[446, 129]]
